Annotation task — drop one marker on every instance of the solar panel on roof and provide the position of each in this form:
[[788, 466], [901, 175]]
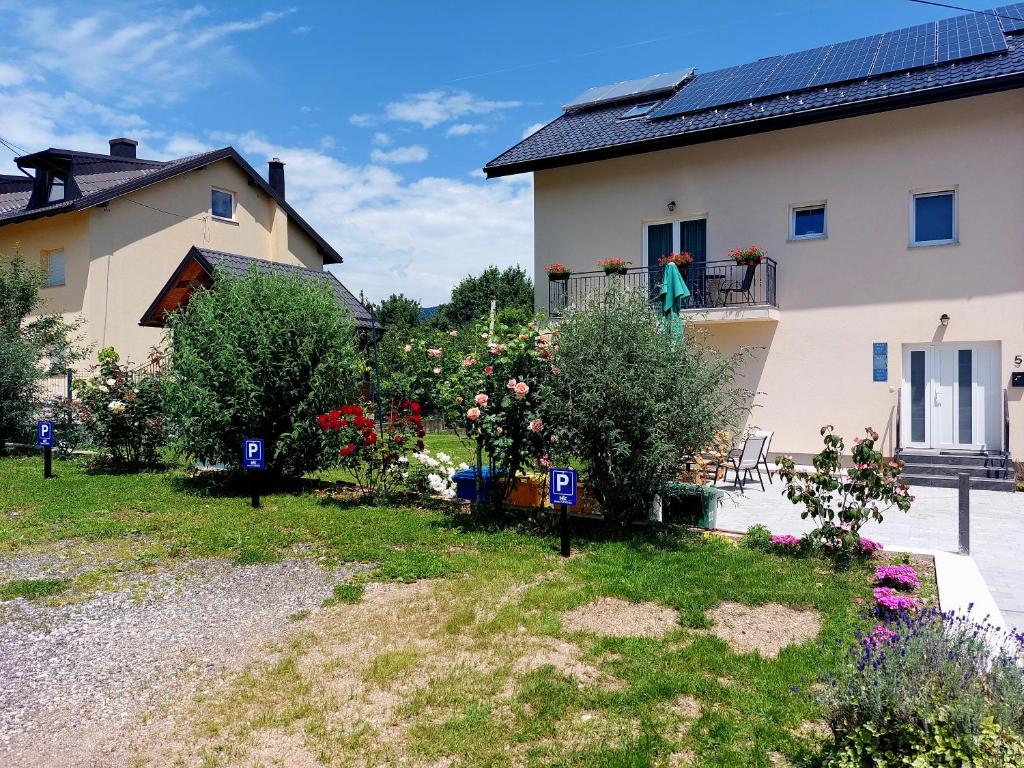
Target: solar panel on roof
[[630, 88], [965, 36], [905, 49], [699, 92], [746, 80], [1010, 17], [794, 72], [847, 61]]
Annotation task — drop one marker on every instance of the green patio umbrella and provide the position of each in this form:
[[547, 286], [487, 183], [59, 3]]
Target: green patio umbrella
[[672, 294]]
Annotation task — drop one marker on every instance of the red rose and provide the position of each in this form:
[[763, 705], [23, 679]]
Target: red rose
[[348, 450]]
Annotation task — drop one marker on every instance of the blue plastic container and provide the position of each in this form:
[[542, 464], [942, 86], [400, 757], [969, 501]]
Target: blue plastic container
[[465, 484]]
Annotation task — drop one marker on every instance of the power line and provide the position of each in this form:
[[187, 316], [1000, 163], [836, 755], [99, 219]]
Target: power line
[[969, 10], [13, 148]]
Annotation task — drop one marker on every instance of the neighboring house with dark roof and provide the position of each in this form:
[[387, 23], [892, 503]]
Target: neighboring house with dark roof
[[110, 230], [884, 177]]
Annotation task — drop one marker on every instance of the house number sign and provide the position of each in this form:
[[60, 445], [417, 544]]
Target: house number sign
[[880, 361]]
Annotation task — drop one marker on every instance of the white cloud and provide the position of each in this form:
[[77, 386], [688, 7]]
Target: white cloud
[[126, 55], [465, 129], [302, 30], [532, 129], [414, 153], [418, 237], [381, 139], [431, 108], [11, 75]]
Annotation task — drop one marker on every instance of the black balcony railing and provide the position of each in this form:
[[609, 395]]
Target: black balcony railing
[[712, 284]]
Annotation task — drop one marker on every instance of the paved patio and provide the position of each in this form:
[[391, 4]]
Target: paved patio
[[997, 530]]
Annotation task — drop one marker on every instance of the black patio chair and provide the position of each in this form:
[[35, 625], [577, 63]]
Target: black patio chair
[[744, 287]]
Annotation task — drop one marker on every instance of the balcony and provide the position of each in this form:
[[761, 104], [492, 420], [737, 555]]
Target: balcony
[[720, 291]]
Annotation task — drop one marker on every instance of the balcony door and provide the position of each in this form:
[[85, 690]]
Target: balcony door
[[950, 397], [665, 237]]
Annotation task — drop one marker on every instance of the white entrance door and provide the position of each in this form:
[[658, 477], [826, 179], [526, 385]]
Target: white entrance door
[[950, 398]]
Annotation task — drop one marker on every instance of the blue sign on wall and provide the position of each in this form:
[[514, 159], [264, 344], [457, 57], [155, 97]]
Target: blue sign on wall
[[880, 361], [562, 486], [252, 453], [44, 433]]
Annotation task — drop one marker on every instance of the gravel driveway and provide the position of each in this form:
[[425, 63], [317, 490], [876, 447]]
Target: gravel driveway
[[78, 681]]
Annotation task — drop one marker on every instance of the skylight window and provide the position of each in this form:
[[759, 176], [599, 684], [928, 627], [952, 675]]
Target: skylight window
[[640, 109]]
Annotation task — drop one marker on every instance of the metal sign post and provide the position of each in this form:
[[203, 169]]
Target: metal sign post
[[252, 459], [562, 491], [44, 439]]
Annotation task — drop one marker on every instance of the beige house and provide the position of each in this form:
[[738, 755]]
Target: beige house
[[886, 185], [111, 231]]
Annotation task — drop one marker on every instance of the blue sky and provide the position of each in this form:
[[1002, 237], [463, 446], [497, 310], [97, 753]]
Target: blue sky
[[383, 112]]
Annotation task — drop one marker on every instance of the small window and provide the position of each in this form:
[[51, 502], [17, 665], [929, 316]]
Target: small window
[[933, 218], [56, 190], [53, 264], [807, 222], [640, 110], [222, 204]]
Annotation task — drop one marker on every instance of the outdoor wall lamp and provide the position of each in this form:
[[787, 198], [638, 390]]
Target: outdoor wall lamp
[[671, 205], [944, 320]]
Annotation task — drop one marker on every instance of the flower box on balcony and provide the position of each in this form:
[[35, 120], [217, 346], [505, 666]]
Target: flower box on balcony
[[558, 272], [613, 266]]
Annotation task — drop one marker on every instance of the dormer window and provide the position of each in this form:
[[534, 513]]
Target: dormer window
[[55, 187]]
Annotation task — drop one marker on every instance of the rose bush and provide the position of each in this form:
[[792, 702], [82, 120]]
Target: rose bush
[[122, 416], [374, 453], [841, 501]]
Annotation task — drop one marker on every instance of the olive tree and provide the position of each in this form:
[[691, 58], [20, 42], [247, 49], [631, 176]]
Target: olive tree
[[260, 356], [628, 401]]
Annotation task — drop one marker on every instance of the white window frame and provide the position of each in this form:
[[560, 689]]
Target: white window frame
[[934, 192], [677, 235], [234, 204], [823, 235], [47, 253]]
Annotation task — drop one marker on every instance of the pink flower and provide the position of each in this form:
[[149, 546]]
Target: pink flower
[[521, 389], [488, 370], [897, 576], [890, 602], [858, 440], [554, 371], [467, 361], [545, 461], [536, 425], [473, 414], [434, 353], [511, 384], [481, 399], [879, 635], [453, 333]]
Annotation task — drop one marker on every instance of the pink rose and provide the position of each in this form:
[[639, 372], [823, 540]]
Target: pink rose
[[473, 414], [488, 370], [481, 399], [554, 371], [536, 425], [434, 353], [511, 384], [521, 389], [468, 361]]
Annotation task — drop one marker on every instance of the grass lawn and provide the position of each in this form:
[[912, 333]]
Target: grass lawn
[[475, 664]]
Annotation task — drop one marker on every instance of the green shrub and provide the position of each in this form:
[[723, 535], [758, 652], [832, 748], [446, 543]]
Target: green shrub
[[121, 415], [260, 356], [30, 349], [758, 537], [928, 691], [627, 402]]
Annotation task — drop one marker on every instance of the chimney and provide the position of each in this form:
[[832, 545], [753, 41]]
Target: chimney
[[275, 176], [123, 147]]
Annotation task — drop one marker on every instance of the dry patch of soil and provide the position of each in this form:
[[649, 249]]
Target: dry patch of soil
[[611, 616], [764, 629]]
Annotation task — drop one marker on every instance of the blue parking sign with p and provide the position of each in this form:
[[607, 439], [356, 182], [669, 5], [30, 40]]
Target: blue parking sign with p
[[562, 486], [252, 453], [44, 433]]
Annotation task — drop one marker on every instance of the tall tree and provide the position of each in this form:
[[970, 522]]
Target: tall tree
[[471, 299], [30, 349], [397, 310]]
